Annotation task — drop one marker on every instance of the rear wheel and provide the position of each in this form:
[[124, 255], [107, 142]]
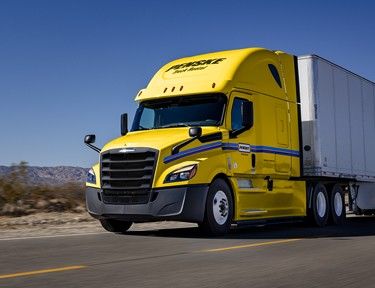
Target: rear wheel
[[338, 213], [116, 226], [219, 209], [319, 210]]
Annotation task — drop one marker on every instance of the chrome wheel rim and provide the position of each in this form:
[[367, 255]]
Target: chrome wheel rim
[[321, 204], [220, 207], [337, 203]]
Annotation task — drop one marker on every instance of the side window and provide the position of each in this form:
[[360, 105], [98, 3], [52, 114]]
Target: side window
[[236, 114], [275, 74]]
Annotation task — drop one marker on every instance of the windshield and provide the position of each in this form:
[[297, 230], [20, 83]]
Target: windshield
[[198, 110]]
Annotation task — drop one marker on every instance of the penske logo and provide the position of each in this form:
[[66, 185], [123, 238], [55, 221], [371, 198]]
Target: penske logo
[[195, 65], [244, 148]]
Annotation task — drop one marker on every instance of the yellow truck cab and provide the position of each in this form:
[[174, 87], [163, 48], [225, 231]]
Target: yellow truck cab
[[216, 140]]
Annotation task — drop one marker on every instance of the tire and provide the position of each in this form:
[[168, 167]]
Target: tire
[[319, 210], [337, 204], [116, 226], [219, 209]]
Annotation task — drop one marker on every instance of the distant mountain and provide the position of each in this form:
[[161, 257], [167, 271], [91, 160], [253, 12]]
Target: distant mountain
[[50, 175]]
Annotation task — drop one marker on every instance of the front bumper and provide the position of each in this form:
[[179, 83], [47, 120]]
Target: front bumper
[[176, 203]]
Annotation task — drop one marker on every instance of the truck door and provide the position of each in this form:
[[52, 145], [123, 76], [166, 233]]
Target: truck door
[[240, 144], [254, 164], [241, 160]]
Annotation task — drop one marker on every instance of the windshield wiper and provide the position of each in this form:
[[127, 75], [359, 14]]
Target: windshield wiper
[[174, 125], [142, 128]]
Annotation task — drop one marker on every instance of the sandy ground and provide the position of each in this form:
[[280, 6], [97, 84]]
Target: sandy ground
[[50, 224]]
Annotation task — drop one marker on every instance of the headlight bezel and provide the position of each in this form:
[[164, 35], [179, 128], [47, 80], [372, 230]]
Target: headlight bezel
[[91, 177], [182, 174]]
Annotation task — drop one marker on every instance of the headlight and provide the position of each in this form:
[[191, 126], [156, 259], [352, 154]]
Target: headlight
[[91, 178], [182, 174]]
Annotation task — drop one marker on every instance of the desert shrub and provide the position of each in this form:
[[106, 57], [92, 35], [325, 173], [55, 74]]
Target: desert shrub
[[12, 186], [19, 197]]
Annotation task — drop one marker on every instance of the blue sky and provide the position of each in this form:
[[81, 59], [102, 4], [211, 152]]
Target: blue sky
[[69, 68]]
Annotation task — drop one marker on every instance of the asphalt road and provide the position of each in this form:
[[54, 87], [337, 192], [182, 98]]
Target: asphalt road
[[273, 256]]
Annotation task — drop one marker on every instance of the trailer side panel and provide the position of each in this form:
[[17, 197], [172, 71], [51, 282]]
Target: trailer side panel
[[338, 120]]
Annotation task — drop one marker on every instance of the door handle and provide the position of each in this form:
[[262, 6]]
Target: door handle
[[269, 183], [253, 160]]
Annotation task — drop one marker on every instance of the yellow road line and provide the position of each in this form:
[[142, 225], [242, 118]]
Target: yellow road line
[[251, 245], [67, 268], [35, 272]]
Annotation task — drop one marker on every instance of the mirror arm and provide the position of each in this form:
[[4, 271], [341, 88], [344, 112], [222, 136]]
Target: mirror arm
[[177, 148], [96, 149]]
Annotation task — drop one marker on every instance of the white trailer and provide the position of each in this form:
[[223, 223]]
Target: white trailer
[[338, 128]]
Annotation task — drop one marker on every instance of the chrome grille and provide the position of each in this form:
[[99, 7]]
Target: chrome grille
[[126, 177]]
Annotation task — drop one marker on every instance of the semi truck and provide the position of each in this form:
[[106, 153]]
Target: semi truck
[[240, 137]]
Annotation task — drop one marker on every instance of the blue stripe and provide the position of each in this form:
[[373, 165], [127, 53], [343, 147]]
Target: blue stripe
[[263, 149], [274, 150], [192, 151], [231, 146]]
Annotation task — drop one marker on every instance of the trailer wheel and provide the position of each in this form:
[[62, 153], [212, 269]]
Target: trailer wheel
[[319, 210], [337, 202], [116, 226], [219, 209]]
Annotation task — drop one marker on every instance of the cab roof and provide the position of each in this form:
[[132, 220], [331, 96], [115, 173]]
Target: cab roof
[[214, 73]]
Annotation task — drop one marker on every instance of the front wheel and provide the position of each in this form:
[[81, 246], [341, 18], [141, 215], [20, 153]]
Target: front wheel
[[219, 209], [116, 226]]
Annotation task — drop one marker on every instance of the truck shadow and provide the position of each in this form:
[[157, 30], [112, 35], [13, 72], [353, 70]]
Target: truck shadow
[[354, 227]]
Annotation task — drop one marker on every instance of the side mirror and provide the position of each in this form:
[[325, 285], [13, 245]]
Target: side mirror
[[195, 132], [124, 124], [247, 114], [89, 139]]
